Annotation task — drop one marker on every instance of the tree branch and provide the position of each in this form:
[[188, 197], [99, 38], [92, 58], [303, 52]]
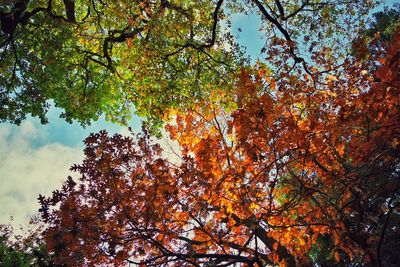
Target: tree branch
[[268, 241], [213, 34], [382, 236], [107, 48], [70, 10], [285, 33]]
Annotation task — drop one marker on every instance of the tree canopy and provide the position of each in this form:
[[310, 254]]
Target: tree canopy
[[102, 57], [290, 161], [93, 57], [23, 250], [303, 170]]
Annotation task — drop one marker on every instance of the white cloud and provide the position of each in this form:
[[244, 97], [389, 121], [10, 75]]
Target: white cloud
[[171, 149], [28, 169], [30, 165]]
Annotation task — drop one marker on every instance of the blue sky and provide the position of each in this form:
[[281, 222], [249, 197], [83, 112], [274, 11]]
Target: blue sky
[[35, 158], [249, 35]]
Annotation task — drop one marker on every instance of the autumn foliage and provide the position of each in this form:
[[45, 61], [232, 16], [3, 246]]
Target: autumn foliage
[[302, 169]]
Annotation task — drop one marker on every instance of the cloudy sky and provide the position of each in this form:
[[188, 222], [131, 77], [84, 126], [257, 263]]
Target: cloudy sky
[[35, 159]]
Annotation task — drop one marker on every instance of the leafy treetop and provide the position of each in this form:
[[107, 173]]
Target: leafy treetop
[[23, 250], [93, 57], [304, 171]]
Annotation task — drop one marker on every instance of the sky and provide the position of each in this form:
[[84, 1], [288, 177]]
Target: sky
[[35, 159]]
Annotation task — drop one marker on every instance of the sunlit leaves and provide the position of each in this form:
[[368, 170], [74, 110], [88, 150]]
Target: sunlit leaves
[[102, 57], [296, 168]]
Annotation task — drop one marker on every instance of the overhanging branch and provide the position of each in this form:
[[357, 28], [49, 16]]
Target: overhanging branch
[[284, 32]]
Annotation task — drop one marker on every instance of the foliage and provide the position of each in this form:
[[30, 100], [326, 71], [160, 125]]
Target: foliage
[[304, 171], [93, 57], [369, 45], [23, 250], [385, 22]]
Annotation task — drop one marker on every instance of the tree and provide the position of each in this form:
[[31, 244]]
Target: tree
[[23, 250], [94, 57], [304, 171]]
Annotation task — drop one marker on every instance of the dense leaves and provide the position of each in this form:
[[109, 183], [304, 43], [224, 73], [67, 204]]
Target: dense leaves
[[92, 57], [101, 57], [23, 250], [305, 170]]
